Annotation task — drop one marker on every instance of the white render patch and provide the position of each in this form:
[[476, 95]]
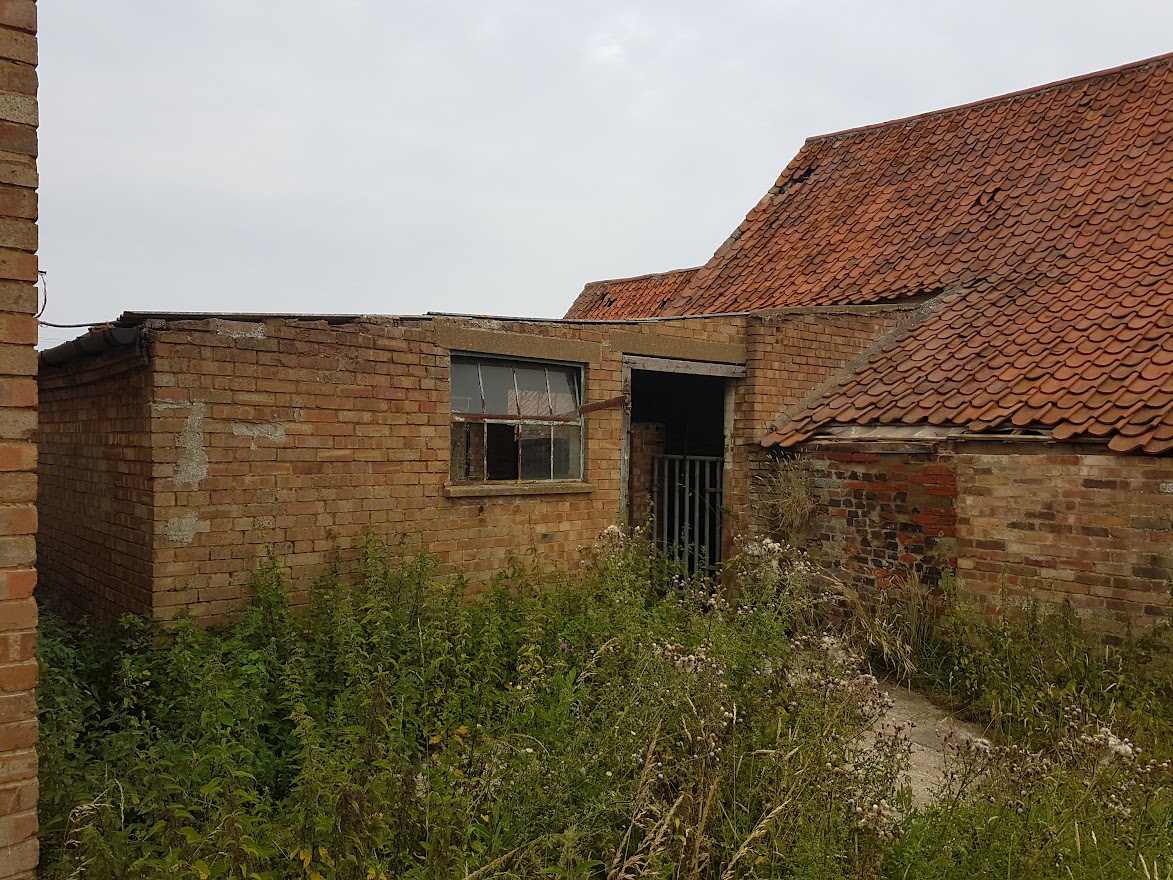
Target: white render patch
[[239, 329], [272, 431], [183, 529], [192, 466], [1167, 488]]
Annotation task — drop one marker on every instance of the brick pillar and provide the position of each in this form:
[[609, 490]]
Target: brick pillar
[[18, 418]]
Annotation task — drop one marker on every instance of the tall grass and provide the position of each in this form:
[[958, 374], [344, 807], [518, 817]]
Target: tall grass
[[623, 722]]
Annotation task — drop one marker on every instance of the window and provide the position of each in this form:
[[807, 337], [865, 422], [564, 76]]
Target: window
[[515, 420]]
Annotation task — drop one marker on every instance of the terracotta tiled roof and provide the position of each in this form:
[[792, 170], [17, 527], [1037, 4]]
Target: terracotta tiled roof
[[1054, 223], [623, 298], [987, 190], [1089, 356]]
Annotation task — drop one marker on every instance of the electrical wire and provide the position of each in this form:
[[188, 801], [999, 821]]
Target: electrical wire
[[42, 276], [44, 288]]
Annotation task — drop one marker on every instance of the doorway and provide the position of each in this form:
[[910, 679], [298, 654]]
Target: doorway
[[676, 461]]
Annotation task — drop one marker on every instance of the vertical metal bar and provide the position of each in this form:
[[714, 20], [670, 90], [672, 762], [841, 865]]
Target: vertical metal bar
[[683, 466], [719, 501], [689, 493], [707, 512], [676, 510], [662, 503], [698, 494]]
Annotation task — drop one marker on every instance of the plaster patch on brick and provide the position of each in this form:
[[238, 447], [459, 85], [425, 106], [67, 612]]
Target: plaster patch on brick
[[193, 464], [239, 329], [272, 431], [183, 529], [1167, 488]]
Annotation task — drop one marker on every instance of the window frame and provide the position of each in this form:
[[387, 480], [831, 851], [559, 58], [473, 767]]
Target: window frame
[[483, 483]]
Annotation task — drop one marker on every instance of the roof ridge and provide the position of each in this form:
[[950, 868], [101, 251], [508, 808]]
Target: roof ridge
[[646, 275], [1033, 90]]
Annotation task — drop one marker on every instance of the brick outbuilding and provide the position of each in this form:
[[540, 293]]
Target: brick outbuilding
[[177, 448], [956, 329]]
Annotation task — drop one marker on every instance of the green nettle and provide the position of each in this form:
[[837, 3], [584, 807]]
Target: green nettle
[[625, 721]]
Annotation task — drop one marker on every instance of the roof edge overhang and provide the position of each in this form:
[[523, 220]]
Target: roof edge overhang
[[831, 435], [99, 340]]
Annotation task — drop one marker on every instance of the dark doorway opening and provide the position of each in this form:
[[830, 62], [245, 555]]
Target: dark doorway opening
[[677, 449]]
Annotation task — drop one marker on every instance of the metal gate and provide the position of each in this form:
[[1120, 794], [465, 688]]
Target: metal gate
[[686, 493]]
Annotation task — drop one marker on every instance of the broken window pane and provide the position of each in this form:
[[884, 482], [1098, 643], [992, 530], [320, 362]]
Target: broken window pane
[[563, 391], [468, 451], [502, 412], [535, 452], [567, 452], [532, 397], [500, 392], [466, 387], [500, 452]]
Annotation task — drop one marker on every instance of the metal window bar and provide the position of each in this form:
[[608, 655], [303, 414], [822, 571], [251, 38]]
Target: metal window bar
[[687, 500]]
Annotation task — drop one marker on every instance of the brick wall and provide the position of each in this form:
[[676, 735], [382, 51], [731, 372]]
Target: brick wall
[[18, 335], [299, 435], [1069, 525], [647, 441], [1045, 523], [96, 534], [882, 517], [791, 354]]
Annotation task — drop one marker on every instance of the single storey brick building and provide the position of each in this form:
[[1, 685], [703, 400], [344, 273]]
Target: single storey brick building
[[955, 327], [177, 447]]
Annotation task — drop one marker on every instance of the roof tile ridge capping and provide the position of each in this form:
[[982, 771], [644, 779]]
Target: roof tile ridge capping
[[1131, 66], [646, 276], [789, 419]]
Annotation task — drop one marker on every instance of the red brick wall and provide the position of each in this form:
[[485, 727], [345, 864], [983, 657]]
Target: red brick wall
[[791, 354], [96, 525], [1071, 525], [882, 517], [18, 395], [313, 433]]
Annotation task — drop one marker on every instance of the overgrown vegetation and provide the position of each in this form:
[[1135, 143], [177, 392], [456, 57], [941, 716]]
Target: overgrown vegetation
[[620, 723], [785, 502]]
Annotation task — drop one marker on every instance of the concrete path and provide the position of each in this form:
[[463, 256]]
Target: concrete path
[[927, 737]]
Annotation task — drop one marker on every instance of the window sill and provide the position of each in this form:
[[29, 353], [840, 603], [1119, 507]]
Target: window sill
[[519, 487]]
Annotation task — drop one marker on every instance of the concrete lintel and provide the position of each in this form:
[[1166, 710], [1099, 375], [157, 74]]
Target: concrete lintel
[[456, 337], [695, 368], [657, 345]]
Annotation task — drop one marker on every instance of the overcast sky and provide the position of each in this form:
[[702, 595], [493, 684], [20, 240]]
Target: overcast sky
[[384, 157]]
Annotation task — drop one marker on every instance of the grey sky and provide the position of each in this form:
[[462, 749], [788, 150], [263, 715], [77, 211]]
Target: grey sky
[[383, 157]]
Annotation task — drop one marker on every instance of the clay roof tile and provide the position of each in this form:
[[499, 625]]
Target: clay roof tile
[[1047, 216]]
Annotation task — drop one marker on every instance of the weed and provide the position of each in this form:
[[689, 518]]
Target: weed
[[624, 722]]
